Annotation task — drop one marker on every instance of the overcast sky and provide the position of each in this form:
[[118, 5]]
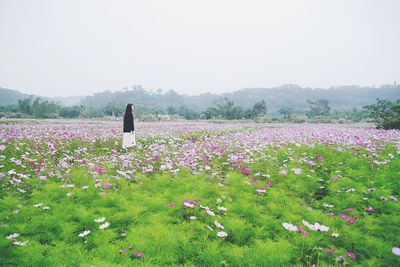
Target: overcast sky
[[78, 47]]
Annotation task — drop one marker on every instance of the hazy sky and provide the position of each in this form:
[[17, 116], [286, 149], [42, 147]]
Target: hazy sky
[[78, 47]]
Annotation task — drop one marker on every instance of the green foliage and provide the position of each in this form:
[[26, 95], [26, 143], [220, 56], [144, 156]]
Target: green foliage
[[140, 217], [385, 114]]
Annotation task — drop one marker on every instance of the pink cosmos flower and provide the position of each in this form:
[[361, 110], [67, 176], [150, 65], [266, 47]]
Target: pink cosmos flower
[[349, 209], [188, 204], [344, 216], [370, 209], [351, 255], [396, 251], [330, 251], [352, 220], [393, 198], [340, 259], [268, 184], [311, 163], [171, 204], [107, 185], [99, 170], [254, 180], [320, 158], [283, 172], [301, 230], [138, 254], [123, 251], [246, 172]]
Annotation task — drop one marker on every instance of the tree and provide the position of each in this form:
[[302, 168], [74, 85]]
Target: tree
[[385, 114], [287, 113], [319, 108], [260, 108], [171, 110]]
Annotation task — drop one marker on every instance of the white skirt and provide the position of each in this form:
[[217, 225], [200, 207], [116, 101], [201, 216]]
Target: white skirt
[[128, 139]]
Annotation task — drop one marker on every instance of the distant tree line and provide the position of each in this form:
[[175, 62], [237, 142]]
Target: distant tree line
[[385, 113]]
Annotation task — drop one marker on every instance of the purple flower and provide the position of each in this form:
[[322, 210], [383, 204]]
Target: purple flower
[[171, 204], [393, 198], [396, 251], [107, 185]]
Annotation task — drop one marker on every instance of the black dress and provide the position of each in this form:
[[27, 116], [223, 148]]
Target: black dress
[[128, 123]]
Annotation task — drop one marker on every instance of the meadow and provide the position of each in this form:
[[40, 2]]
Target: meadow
[[198, 194]]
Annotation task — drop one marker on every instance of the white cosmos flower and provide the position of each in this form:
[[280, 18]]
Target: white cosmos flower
[[38, 205], [84, 233], [222, 234], [316, 226], [12, 236], [193, 218], [323, 228], [219, 225], [85, 187], [99, 220], [20, 244], [327, 205], [396, 251], [289, 226], [261, 190], [222, 208], [104, 225], [188, 204], [335, 235], [70, 185], [46, 208], [210, 212]]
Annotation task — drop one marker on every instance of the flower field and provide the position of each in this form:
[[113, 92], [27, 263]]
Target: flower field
[[198, 194]]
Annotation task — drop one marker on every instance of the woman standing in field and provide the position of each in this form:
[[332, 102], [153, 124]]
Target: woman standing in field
[[128, 139]]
